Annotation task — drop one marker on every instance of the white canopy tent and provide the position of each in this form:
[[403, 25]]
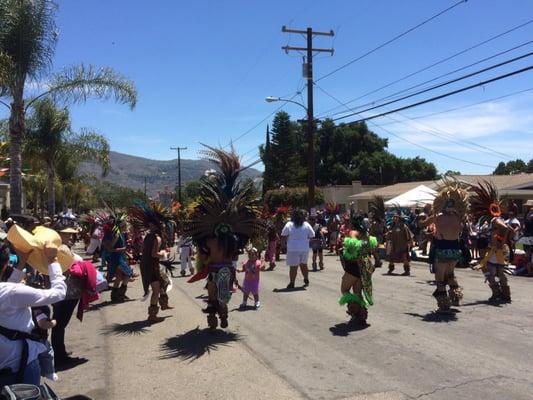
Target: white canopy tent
[[417, 197]]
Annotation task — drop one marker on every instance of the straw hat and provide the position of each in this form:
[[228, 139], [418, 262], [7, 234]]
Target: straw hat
[[24, 241], [70, 231]]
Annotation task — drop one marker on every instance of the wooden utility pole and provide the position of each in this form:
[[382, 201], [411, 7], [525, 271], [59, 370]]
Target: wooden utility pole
[[308, 74], [179, 169]]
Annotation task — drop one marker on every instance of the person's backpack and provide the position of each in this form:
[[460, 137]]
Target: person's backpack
[[27, 392]]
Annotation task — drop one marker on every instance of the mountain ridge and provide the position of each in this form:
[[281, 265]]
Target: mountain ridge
[[133, 171]]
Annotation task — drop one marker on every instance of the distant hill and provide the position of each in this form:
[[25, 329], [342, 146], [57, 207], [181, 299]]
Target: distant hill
[[130, 171]]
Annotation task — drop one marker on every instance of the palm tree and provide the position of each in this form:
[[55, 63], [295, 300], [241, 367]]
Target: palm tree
[[28, 36], [50, 140]]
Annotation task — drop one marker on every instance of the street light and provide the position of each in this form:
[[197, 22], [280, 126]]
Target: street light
[[310, 146]]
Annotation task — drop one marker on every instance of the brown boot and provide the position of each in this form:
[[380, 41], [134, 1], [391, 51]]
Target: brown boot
[[443, 301], [496, 292], [223, 314], [406, 270], [152, 315], [122, 293], [115, 298], [391, 268], [456, 295], [163, 302], [506, 293]]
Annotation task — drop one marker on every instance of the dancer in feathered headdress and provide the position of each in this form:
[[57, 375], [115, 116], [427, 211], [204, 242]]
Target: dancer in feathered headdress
[[114, 243], [356, 284], [155, 220], [485, 207], [225, 218], [449, 212]]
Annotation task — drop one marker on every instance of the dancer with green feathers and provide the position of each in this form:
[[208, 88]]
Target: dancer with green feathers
[[356, 284], [225, 218]]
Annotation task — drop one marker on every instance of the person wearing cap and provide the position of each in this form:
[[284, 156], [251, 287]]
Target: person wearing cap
[[19, 351]]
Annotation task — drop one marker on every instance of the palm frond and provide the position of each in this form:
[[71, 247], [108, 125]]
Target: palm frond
[[28, 36], [79, 83]]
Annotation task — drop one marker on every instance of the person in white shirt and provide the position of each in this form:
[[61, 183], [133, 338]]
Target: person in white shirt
[[297, 232], [186, 255], [18, 352]]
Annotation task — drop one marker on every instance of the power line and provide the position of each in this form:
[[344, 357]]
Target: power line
[[516, 72], [437, 63], [449, 82], [260, 122], [391, 40], [407, 140], [494, 99], [393, 95]]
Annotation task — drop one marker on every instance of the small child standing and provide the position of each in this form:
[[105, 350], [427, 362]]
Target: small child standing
[[251, 269], [43, 323]]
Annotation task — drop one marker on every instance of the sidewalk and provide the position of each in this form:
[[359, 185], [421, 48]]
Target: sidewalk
[[175, 359]]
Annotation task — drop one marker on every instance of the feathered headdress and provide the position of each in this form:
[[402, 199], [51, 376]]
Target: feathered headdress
[[141, 214], [377, 207], [485, 203], [226, 208], [451, 197]]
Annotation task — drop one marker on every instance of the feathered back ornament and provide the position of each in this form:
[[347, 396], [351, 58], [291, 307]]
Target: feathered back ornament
[[141, 215], [377, 207], [226, 208], [485, 203], [451, 197]]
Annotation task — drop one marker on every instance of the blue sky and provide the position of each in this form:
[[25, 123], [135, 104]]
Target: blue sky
[[203, 69]]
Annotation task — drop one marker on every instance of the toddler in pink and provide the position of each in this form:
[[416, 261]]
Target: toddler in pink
[[251, 269]]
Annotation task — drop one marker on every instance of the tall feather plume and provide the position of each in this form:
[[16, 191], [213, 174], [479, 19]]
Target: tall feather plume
[[225, 205], [451, 195], [377, 207], [485, 196]]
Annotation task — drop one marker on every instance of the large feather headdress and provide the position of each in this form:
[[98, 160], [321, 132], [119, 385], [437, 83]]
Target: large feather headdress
[[451, 197], [377, 207], [226, 206], [485, 203]]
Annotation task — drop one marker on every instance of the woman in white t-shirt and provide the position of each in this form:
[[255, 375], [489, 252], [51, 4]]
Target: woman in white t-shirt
[[297, 232]]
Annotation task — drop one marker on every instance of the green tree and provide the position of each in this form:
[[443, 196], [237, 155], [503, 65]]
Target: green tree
[[512, 167], [265, 153], [284, 159], [190, 192], [529, 168], [50, 140], [28, 37]]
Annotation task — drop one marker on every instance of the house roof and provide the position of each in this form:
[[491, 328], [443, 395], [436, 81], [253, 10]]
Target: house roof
[[500, 181], [506, 185], [388, 192]]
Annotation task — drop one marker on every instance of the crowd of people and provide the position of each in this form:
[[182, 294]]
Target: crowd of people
[[224, 223]]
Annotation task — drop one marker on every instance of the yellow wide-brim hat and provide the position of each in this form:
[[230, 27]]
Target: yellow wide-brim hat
[[24, 242]]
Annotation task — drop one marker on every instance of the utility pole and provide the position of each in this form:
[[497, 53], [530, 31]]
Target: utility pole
[[308, 74], [179, 149]]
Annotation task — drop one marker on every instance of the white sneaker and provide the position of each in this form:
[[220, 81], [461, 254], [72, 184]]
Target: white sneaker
[[257, 305]]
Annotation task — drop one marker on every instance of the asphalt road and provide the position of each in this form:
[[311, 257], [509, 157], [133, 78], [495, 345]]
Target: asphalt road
[[298, 344]]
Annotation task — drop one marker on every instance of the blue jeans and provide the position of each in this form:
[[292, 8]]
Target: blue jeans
[[32, 375]]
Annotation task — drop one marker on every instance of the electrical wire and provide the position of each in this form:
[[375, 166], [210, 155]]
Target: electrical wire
[[494, 99], [393, 95], [432, 99], [449, 82], [407, 140], [436, 63], [391, 40]]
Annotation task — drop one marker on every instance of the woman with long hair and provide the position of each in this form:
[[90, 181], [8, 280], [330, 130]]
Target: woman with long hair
[[297, 232]]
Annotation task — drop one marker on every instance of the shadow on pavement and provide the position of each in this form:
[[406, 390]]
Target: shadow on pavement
[[196, 343], [129, 328], [483, 302], [345, 328], [285, 290], [97, 306], [78, 397], [433, 316], [72, 362]]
